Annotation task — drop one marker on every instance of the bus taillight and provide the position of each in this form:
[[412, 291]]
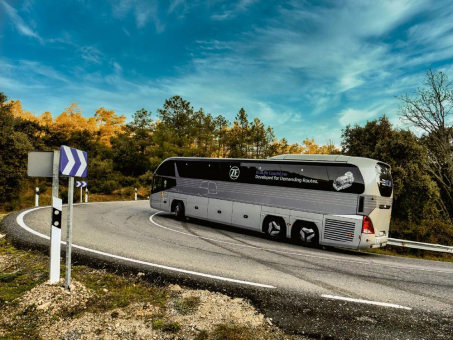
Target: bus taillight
[[367, 226]]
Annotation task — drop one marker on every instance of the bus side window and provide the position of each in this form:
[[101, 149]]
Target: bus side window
[[161, 184], [157, 184]]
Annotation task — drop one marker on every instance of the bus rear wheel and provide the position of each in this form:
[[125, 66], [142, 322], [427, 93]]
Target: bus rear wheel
[[306, 234], [274, 228], [179, 211]]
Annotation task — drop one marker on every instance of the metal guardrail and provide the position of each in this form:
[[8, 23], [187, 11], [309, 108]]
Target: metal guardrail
[[419, 245]]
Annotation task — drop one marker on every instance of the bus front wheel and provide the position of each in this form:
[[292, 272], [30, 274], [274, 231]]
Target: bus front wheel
[[179, 211], [306, 234], [274, 228]]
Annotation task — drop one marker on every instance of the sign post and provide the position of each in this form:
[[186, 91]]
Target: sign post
[[67, 162], [45, 164], [81, 184], [73, 163]]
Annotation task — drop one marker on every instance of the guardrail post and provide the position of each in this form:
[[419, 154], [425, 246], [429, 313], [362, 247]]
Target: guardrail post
[[86, 195], [135, 193]]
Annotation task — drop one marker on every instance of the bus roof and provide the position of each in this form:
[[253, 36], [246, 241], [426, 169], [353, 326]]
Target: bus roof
[[359, 161], [314, 158]]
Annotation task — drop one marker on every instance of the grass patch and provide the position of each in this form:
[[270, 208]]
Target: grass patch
[[26, 270], [158, 324], [169, 327], [116, 291], [203, 335], [187, 305], [412, 253], [225, 332]]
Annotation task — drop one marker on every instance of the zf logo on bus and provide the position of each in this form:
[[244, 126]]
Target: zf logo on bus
[[234, 173]]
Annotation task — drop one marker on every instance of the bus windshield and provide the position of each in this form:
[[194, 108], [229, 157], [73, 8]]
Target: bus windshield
[[384, 179]]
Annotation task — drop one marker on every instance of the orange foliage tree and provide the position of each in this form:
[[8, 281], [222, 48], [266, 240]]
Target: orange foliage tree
[[109, 124]]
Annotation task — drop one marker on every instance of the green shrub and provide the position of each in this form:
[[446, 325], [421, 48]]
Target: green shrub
[[107, 187], [171, 327], [226, 332], [158, 324], [187, 305], [203, 335]]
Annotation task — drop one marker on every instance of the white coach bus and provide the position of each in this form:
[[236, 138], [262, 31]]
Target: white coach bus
[[330, 200]]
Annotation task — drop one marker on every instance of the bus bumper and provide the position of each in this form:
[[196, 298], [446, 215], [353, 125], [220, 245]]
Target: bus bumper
[[368, 241]]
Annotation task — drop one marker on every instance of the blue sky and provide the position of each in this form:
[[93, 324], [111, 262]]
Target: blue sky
[[307, 68]]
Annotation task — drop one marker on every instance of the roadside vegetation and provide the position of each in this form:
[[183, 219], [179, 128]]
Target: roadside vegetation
[[123, 156], [115, 306]]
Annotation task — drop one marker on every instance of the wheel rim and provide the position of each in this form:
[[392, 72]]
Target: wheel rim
[[274, 228], [307, 235], [177, 210]]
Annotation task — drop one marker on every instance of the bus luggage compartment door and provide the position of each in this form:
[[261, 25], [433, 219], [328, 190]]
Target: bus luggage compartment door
[[220, 210], [247, 215], [342, 231], [197, 207]]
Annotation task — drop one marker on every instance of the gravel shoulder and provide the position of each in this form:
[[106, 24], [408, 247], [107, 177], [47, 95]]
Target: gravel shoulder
[[103, 305]]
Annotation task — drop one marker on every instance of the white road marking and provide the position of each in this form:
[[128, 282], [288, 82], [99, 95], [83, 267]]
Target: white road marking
[[330, 258], [20, 221], [368, 302]]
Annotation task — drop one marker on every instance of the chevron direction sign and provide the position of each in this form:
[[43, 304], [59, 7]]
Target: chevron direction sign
[[81, 184], [73, 162]]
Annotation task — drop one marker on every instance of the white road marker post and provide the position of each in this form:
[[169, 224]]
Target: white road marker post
[[86, 195], [37, 197], [81, 195], [55, 241], [55, 231], [135, 193]]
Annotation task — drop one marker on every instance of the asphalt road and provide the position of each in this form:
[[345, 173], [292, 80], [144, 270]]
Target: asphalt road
[[302, 289]]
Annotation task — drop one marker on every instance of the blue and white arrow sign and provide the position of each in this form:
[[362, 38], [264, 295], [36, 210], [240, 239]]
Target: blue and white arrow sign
[[73, 162], [81, 184]]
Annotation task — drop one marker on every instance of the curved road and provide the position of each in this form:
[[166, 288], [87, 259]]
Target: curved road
[[329, 293]]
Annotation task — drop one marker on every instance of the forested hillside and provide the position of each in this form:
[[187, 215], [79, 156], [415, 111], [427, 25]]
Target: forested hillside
[[125, 154]]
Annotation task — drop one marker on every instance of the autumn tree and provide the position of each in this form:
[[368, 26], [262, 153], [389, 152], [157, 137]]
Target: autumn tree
[[109, 124]]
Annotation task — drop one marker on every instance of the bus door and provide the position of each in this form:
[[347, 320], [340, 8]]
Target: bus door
[[155, 193], [165, 201]]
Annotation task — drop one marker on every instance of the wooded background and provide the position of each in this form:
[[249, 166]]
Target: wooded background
[[126, 154]]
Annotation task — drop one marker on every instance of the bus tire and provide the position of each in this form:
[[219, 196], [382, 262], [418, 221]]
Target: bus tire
[[306, 234], [274, 227], [179, 211]]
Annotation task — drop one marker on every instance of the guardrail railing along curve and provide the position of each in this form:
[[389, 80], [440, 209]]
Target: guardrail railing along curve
[[420, 245]]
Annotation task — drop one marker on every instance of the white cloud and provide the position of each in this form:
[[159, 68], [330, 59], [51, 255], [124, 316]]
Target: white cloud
[[91, 54], [43, 70], [233, 10], [19, 23], [144, 12]]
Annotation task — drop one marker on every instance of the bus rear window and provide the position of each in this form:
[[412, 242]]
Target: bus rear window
[[384, 179], [346, 179]]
